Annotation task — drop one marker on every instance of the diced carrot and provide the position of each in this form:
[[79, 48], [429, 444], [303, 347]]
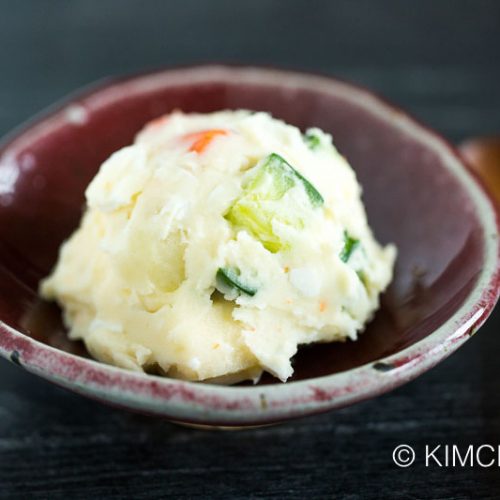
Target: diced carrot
[[322, 306], [200, 140]]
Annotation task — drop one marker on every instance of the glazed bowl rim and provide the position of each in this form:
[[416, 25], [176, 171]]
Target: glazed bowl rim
[[236, 405]]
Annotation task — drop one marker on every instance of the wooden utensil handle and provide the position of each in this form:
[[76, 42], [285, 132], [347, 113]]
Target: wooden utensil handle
[[483, 154]]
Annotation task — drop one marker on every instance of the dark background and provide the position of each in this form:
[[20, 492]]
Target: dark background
[[438, 59]]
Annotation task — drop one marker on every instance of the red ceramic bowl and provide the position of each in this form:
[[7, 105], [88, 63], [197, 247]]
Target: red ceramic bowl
[[417, 192]]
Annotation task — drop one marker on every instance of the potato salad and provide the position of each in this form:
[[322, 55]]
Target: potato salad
[[217, 244]]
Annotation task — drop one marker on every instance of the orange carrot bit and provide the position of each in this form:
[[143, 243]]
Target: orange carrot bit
[[202, 139], [322, 306], [158, 122]]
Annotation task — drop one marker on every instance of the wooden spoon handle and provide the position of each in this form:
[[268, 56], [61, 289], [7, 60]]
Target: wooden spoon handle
[[483, 154]]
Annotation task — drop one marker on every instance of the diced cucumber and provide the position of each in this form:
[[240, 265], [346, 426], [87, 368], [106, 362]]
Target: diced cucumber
[[230, 278], [250, 213], [350, 244], [275, 176], [312, 140], [270, 179], [363, 278]]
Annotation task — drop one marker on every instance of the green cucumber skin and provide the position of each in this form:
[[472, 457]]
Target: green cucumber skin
[[281, 180], [230, 278], [315, 197], [350, 244], [312, 140]]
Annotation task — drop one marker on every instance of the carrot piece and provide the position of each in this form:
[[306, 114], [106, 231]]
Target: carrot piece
[[202, 139]]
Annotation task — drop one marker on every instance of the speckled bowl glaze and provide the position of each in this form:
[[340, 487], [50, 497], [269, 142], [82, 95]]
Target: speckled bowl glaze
[[417, 192]]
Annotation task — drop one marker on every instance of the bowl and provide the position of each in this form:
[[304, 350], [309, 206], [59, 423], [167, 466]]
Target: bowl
[[417, 191]]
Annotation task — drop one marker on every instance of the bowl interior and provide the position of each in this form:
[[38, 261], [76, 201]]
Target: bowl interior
[[411, 198]]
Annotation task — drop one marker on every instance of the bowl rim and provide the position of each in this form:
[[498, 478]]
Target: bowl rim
[[246, 405]]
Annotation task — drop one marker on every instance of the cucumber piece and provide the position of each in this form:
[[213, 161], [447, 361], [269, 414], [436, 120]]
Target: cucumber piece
[[275, 176], [256, 217], [363, 278], [312, 140], [229, 277], [314, 196], [269, 181], [350, 244]]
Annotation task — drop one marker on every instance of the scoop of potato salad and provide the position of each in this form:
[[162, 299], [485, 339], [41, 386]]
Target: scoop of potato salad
[[215, 245]]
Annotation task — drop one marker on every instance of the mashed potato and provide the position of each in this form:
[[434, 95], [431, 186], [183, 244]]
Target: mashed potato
[[215, 245]]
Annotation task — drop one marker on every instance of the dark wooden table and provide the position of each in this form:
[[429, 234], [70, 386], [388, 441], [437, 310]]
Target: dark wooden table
[[441, 61]]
